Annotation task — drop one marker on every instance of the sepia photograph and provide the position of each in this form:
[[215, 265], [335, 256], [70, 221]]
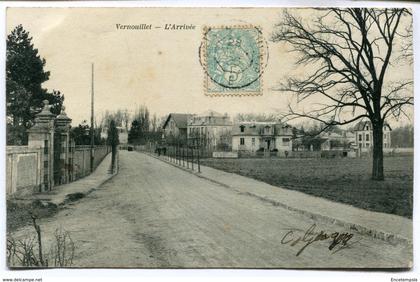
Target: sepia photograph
[[233, 138]]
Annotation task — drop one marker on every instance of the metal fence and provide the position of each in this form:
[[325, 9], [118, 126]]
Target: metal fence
[[188, 158]]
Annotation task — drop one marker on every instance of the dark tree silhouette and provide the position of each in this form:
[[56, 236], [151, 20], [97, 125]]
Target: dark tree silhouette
[[348, 53], [81, 134], [113, 141], [24, 77]]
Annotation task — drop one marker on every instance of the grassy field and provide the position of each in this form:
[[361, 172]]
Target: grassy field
[[342, 180]]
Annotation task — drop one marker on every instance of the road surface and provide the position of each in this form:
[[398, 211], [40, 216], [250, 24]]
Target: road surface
[[153, 214]]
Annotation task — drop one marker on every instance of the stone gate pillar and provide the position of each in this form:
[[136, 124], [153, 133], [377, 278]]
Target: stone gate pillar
[[62, 146], [41, 135]]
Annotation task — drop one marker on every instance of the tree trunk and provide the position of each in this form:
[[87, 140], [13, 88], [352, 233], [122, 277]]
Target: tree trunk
[[378, 155], [113, 154]]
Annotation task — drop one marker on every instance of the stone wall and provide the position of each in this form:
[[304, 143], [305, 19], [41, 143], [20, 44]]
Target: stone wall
[[23, 169], [81, 159], [51, 157]]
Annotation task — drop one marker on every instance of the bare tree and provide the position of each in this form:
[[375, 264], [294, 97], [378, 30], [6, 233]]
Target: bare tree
[[154, 123], [256, 117], [349, 52]]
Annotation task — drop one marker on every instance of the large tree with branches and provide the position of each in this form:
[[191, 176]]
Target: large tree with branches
[[347, 55]]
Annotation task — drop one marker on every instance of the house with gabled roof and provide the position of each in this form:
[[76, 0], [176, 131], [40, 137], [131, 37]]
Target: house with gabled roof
[[175, 127], [364, 135]]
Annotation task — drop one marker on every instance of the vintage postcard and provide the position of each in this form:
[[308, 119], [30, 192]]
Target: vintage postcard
[[209, 137]]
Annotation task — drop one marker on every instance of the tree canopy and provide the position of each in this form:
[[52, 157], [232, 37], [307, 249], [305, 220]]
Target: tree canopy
[[24, 77]]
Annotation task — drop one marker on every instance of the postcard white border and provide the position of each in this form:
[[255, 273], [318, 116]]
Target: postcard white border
[[211, 274]]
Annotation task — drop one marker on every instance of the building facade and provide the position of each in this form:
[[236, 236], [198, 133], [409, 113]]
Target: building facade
[[364, 135], [210, 130], [175, 128], [337, 141], [261, 136]]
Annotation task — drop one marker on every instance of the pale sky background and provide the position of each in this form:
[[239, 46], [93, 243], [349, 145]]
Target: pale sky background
[[157, 68]]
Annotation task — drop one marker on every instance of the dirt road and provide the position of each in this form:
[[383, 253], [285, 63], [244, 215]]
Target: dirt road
[[155, 215]]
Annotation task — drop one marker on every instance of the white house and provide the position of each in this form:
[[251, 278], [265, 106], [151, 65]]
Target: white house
[[364, 135], [263, 136], [210, 129]]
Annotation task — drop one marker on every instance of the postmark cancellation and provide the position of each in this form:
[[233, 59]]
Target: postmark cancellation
[[233, 60]]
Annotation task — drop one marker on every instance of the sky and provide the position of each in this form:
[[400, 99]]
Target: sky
[[157, 68]]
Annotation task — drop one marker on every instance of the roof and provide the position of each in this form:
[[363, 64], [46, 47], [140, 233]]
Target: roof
[[331, 136], [209, 118], [180, 120], [210, 113], [257, 129], [361, 125]]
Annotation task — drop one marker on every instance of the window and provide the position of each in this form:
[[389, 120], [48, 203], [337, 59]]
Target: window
[[45, 147], [367, 137], [360, 137], [253, 141], [267, 130], [242, 141], [286, 141], [367, 127], [242, 128], [384, 136]]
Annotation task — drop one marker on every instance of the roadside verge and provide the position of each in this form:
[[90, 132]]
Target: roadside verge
[[48, 203]]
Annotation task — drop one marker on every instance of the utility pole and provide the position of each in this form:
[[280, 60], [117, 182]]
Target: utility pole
[[92, 132]]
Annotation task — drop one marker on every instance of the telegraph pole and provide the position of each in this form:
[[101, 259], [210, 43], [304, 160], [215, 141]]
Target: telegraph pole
[[92, 132]]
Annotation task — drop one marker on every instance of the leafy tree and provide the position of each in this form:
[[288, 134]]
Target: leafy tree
[[24, 77], [134, 133], [349, 53], [142, 116], [143, 128], [81, 134]]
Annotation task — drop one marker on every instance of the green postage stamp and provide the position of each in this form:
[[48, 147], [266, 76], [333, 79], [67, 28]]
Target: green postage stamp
[[233, 60]]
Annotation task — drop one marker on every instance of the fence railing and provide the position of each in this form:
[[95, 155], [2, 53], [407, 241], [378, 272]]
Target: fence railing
[[188, 158]]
